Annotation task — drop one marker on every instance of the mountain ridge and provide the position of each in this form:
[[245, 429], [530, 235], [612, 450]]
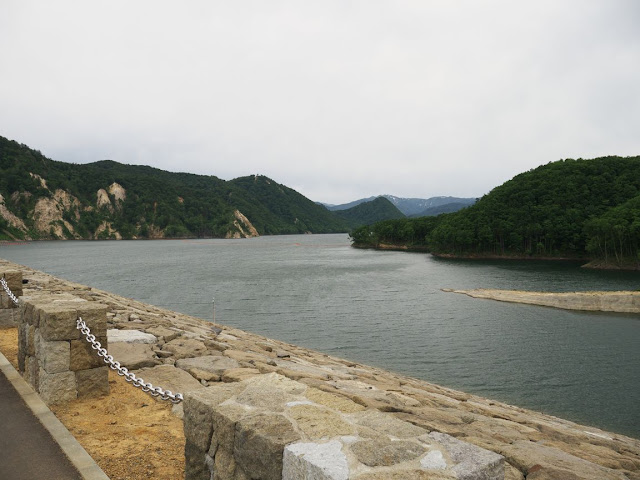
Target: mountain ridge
[[410, 207], [42, 198]]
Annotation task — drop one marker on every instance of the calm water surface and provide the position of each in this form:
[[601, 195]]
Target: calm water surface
[[387, 309]]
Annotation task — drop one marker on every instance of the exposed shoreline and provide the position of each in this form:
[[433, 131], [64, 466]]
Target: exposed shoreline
[[618, 302], [526, 438], [597, 264]]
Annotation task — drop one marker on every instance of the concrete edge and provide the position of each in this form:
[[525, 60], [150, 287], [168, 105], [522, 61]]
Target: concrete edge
[[81, 460]]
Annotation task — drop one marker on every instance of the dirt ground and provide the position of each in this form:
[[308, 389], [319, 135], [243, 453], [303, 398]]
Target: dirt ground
[[131, 435]]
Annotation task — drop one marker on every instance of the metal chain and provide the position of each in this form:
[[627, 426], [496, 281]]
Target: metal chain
[[123, 371], [13, 298]]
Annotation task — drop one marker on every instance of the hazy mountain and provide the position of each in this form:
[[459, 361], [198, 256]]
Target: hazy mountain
[[369, 212], [408, 206], [444, 208]]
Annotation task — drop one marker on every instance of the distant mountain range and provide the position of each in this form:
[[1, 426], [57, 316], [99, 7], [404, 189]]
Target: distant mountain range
[[366, 213], [42, 198], [414, 207]]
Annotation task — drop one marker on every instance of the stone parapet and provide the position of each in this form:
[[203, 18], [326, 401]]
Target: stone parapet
[[274, 428], [52, 356], [14, 282], [8, 310]]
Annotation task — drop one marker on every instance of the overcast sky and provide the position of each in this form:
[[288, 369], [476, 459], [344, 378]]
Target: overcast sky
[[336, 99]]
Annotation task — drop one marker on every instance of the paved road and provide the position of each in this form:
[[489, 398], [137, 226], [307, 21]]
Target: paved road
[[27, 451]]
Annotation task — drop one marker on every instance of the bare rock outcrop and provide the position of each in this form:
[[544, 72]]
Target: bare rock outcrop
[[103, 200], [621, 302], [48, 214], [10, 218], [118, 192], [244, 228]]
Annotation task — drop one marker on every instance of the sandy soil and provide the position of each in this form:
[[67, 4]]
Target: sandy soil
[[129, 434]]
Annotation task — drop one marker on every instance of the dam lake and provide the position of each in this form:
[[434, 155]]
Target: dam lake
[[387, 309]]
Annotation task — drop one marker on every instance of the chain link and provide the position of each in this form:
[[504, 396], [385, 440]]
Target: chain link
[[123, 371], [13, 298]]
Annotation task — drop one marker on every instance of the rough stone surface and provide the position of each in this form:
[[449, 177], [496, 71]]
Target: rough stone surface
[[185, 348], [268, 425], [552, 464], [169, 378], [32, 373], [93, 382], [203, 375], [55, 356], [406, 474], [388, 424], [434, 460], [334, 401], [129, 336], [57, 387], [319, 422], [259, 444], [8, 318], [14, 283], [216, 364], [58, 322], [315, 461], [55, 361], [239, 374], [94, 315], [84, 357], [384, 453], [166, 334], [472, 462], [133, 355]]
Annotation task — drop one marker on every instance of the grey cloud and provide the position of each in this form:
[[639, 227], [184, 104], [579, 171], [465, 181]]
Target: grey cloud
[[337, 99]]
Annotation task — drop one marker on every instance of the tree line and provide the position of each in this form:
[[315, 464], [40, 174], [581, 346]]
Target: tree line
[[570, 208]]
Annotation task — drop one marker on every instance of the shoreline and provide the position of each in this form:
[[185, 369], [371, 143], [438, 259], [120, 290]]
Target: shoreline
[[615, 302], [558, 446], [595, 264]]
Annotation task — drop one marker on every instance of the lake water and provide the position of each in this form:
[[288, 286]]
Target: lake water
[[387, 309]]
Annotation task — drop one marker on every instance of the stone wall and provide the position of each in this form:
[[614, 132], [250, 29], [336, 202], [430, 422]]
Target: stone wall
[[53, 356], [272, 428], [8, 309]]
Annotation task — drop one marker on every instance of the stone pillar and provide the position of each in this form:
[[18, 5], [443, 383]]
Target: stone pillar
[[273, 428], [8, 309], [53, 356]]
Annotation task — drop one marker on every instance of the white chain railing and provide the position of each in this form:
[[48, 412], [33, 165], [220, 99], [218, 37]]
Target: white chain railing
[[13, 298], [108, 359], [123, 371]]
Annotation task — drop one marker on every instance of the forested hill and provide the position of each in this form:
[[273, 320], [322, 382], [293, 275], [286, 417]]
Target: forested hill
[[43, 198], [588, 209], [369, 212]]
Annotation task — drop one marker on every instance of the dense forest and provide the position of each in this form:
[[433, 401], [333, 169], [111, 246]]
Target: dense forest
[[583, 209], [43, 198], [366, 213]]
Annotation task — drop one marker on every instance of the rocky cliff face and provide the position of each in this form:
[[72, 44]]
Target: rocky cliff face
[[58, 214], [243, 227]]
